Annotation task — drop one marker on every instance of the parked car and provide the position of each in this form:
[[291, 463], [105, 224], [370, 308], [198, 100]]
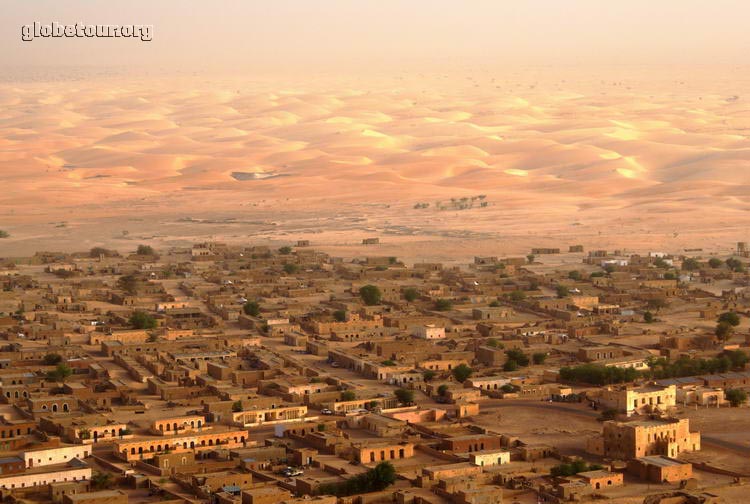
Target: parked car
[[291, 472], [326, 411]]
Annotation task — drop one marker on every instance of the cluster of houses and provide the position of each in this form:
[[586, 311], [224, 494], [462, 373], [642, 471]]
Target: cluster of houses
[[246, 374]]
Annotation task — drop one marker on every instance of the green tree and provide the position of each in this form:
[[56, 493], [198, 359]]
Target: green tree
[[285, 250], [251, 308], [517, 296], [52, 359], [597, 374], [290, 269], [4, 234], [686, 366], [715, 262], [517, 355], [348, 395], [462, 372], [443, 304], [530, 258], [648, 317], [145, 250], [411, 294], [404, 396], [428, 375], [384, 475], [101, 480], [442, 390], [539, 358], [738, 358], [573, 468], [574, 275], [128, 283], [736, 397], [562, 291], [375, 480], [60, 373], [735, 265], [100, 251], [724, 331], [339, 315], [370, 294], [690, 264], [510, 365], [731, 318], [142, 320], [657, 304], [237, 406]]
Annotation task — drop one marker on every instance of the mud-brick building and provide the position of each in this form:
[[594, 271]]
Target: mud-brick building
[[630, 440]]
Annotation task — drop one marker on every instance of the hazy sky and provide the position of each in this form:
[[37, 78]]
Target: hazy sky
[[339, 34]]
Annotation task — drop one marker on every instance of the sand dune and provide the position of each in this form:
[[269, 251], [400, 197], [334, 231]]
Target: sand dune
[[552, 152]]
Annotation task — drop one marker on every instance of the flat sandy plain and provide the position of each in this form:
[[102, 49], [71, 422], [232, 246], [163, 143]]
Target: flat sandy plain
[[636, 159]]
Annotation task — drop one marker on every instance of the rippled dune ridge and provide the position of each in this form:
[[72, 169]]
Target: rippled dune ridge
[[547, 153]]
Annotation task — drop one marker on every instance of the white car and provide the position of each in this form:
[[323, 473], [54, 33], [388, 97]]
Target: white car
[[326, 411]]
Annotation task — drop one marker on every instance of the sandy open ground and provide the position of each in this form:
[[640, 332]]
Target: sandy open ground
[[640, 159]]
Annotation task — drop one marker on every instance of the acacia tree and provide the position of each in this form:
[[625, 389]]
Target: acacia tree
[[142, 320], [443, 304], [251, 308], [724, 331], [60, 373], [517, 296], [411, 294], [730, 317], [52, 359], [736, 397], [690, 264], [462, 372], [539, 358], [145, 250], [657, 304], [404, 396], [101, 480], [370, 294]]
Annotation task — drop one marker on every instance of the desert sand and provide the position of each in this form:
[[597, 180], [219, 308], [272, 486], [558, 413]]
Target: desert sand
[[507, 159]]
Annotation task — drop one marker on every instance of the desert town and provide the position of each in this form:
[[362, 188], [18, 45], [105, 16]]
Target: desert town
[[231, 374]]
